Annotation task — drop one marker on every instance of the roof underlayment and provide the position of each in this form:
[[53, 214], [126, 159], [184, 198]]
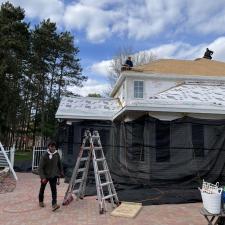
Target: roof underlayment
[[193, 95], [87, 108], [200, 98]]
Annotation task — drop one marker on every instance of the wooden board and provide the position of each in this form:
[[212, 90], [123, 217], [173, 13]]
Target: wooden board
[[127, 209]]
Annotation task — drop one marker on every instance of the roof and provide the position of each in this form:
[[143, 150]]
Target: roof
[[88, 108], [187, 98], [197, 67], [174, 69], [189, 94]]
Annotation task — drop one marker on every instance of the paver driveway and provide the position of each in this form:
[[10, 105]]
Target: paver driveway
[[20, 207]]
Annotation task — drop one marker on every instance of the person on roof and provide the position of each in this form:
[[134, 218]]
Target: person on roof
[[50, 169], [208, 54], [128, 64]]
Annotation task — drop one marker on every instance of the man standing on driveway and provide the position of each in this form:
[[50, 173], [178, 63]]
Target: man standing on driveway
[[50, 169]]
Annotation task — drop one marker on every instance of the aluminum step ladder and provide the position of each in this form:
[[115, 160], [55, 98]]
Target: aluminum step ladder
[[91, 149]]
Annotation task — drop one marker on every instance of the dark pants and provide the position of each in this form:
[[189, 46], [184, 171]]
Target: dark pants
[[52, 182]]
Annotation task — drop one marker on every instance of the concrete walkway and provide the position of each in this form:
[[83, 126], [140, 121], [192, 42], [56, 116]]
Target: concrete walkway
[[20, 207]]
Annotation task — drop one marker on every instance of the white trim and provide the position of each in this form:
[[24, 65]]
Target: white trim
[[87, 117]]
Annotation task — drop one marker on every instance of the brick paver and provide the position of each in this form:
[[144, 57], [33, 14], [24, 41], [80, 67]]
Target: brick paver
[[20, 207]]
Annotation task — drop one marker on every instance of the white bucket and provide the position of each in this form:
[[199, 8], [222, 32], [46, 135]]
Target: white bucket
[[212, 202]]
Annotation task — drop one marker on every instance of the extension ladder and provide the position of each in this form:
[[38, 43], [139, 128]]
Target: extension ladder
[[91, 149]]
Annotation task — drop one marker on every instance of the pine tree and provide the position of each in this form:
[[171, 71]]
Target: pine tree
[[14, 44]]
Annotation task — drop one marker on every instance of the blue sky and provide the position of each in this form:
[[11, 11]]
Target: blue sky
[[179, 29]]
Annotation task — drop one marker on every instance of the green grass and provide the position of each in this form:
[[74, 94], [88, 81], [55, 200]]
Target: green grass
[[22, 156]]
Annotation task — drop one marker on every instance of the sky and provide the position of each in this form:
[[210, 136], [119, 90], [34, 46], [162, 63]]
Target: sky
[[177, 29]]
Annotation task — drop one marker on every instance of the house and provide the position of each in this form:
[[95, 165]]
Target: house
[[163, 125]]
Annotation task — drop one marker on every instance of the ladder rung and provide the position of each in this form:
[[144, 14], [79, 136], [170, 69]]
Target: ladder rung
[[78, 181], [106, 183], [86, 148], [103, 171], [95, 136], [81, 170], [109, 196], [100, 159], [97, 148], [84, 159], [75, 191]]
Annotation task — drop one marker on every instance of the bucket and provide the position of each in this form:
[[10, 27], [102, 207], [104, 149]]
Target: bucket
[[212, 202]]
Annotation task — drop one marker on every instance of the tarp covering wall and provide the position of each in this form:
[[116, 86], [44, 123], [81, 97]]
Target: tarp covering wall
[[150, 154]]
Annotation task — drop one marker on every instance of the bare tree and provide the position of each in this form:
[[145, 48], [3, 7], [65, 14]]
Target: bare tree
[[138, 58]]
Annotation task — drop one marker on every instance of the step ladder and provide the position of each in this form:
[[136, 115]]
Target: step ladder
[[91, 149]]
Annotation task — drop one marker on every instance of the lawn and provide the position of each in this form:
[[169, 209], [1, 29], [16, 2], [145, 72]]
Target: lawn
[[23, 155]]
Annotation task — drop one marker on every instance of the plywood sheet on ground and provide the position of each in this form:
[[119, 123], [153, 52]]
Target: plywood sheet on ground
[[127, 209]]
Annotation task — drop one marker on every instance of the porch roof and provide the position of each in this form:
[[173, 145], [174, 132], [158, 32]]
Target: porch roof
[[88, 108]]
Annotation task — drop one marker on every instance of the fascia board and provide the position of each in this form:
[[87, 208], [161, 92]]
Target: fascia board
[[168, 108], [175, 76], [118, 84], [73, 117]]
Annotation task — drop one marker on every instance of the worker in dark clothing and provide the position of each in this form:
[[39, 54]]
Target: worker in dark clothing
[[208, 54], [128, 64], [50, 170]]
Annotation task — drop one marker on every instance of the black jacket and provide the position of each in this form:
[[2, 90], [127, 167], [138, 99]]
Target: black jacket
[[49, 168]]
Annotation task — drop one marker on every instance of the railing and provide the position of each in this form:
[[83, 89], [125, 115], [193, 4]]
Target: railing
[[10, 152], [5, 162]]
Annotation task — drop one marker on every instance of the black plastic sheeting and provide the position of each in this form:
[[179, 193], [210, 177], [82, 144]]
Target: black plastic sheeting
[[153, 161], [23, 166]]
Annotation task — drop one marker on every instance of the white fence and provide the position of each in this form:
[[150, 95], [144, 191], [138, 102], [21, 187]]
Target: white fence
[[37, 154]]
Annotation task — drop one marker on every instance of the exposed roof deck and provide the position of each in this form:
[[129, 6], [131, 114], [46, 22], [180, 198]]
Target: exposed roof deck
[[197, 67]]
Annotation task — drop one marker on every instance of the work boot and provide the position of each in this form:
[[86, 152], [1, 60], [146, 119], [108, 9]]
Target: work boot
[[41, 204], [55, 207]]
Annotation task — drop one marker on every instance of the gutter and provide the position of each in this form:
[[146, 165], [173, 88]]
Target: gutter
[[83, 117], [160, 108]]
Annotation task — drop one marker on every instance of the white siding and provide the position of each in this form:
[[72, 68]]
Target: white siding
[[151, 87]]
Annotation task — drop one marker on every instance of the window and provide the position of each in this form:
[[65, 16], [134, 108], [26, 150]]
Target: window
[[138, 89], [162, 141], [198, 139]]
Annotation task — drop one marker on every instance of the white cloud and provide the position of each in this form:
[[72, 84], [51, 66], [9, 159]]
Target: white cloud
[[145, 18], [90, 87], [138, 19], [101, 68], [95, 21], [206, 16], [181, 50], [42, 9]]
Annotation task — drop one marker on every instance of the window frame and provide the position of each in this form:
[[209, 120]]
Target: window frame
[[138, 87]]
